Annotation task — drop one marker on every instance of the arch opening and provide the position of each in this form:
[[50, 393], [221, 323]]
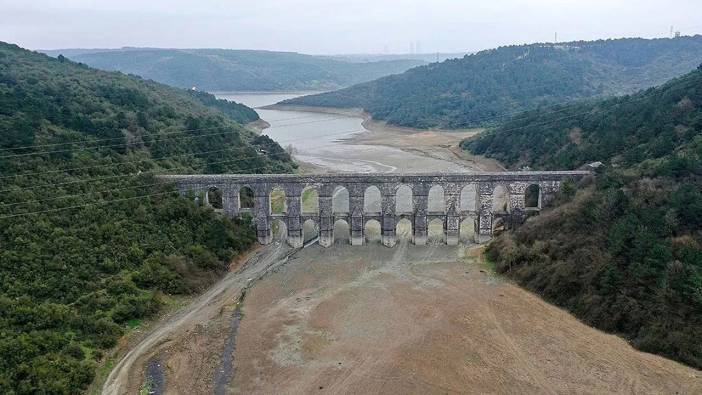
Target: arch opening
[[279, 231], [500, 199], [403, 229], [246, 198], [310, 231], [309, 200], [214, 198], [469, 198], [437, 202], [532, 196], [372, 231], [404, 203], [342, 232], [340, 200], [278, 201], [466, 231], [372, 200], [435, 232]]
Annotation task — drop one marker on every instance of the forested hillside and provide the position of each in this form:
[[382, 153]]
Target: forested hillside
[[238, 70], [89, 243], [489, 86], [624, 252]]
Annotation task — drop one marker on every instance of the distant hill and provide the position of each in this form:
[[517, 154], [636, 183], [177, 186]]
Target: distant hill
[[624, 251], [237, 70], [90, 244], [424, 57], [482, 88]]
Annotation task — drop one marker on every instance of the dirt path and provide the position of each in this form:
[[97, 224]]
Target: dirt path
[[422, 320], [128, 375]]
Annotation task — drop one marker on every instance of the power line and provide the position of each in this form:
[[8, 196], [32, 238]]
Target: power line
[[643, 96], [134, 186], [115, 145], [83, 205], [163, 193], [128, 175], [151, 141], [240, 159], [113, 164], [119, 138], [145, 160], [112, 189], [478, 120]]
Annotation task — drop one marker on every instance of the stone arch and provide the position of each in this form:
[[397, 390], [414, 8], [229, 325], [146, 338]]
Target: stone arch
[[247, 198], [310, 230], [500, 199], [532, 196], [437, 199], [279, 230], [466, 231], [372, 231], [278, 203], [309, 200], [340, 200], [435, 231], [342, 232], [469, 198], [214, 198], [404, 199], [372, 200], [403, 229]]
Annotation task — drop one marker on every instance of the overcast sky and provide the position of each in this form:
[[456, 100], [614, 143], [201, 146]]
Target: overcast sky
[[336, 26]]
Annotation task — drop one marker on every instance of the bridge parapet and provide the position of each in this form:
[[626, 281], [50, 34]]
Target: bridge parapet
[[463, 196]]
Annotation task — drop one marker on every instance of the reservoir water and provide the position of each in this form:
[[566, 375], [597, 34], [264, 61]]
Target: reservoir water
[[318, 139]]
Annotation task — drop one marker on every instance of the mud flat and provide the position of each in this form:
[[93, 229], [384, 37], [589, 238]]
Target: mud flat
[[258, 126], [439, 144], [426, 320]]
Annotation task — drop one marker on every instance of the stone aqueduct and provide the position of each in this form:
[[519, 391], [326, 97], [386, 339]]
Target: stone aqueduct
[[482, 186]]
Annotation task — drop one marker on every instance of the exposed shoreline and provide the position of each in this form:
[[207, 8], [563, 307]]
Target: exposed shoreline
[[258, 126], [435, 143]]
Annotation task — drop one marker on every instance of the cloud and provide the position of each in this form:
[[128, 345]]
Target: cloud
[[334, 26]]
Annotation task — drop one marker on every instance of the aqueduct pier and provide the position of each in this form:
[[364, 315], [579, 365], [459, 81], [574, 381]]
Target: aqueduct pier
[[484, 198]]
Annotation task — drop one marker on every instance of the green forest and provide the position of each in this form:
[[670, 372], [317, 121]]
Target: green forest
[[89, 242], [623, 250], [490, 86], [238, 70]]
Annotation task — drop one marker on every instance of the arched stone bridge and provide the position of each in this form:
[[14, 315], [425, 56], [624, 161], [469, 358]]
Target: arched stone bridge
[[474, 197]]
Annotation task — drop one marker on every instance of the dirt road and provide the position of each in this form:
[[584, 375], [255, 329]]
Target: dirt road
[[128, 375]]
